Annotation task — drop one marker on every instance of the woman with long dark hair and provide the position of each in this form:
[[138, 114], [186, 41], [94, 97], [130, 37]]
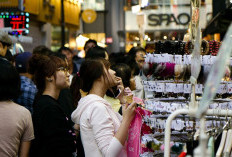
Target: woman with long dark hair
[[54, 135], [103, 131]]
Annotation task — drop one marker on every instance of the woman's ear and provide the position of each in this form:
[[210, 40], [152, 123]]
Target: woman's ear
[[49, 79]]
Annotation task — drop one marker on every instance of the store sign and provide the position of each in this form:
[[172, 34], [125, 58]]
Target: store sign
[[17, 22], [167, 18], [159, 19], [89, 16]]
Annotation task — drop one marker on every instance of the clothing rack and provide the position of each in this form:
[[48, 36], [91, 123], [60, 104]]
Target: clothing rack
[[201, 150]]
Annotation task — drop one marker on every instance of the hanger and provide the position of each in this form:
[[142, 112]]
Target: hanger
[[228, 143], [227, 149], [223, 140]]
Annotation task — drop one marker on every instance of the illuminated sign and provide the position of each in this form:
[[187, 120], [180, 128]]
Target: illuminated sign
[[18, 22]]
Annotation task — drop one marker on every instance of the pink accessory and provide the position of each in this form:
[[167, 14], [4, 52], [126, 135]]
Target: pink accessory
[[78, 74]]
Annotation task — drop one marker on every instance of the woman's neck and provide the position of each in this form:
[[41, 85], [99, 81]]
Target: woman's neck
[[52, 91], [98, 88]]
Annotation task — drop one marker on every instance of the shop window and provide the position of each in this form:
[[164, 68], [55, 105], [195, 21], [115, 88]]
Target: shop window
[[97, 5]]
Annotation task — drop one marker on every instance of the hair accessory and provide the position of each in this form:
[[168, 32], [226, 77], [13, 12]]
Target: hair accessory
[[78, 74], [50, 79]]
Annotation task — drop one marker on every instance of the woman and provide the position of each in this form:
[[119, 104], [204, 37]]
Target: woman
[[54, 135], [103, 131], [16, 129], [124, 72]]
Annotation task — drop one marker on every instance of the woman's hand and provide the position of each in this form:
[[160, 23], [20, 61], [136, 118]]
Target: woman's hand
[[129, 111], [120, 87]]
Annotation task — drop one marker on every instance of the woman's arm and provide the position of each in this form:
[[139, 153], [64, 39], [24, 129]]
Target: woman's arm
[[24, 149], [128, 115], [109, 142]]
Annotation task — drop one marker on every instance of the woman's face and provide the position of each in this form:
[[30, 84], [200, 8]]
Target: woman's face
[[111, 78], [62, 78]]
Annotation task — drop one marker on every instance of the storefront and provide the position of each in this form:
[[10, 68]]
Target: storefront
[[163, 22]]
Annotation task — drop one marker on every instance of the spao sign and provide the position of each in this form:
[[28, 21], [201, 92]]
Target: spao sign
[[159, 19], [166, 18]]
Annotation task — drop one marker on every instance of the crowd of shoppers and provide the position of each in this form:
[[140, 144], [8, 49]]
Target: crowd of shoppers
[[43, 116]]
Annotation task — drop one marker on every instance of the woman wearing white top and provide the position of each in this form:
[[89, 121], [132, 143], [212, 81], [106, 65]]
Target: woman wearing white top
[[103, 131]]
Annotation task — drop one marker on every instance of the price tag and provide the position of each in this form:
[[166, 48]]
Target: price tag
[[229, 105], [145, 87], [187, 88], [156, 58], [198, 88], [180, 88], [159, 58], [162, 58], [213, 59], [165, 57], [169, 87], [160, 87], [229, 88], [204, 59], [189, 59], [178, 59], [171, 58], [224, 106], [222, 88]]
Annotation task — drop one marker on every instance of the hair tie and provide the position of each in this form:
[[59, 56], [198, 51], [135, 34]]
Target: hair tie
[[78, 74]]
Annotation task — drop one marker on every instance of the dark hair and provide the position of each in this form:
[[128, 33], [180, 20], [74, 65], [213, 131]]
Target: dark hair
[[96, 52], [5, 44], [42, 50], [133, 65], [122, 70], [90, 41], [65, 49], [9, 81], [118, 57], [90, 70], [42, 66], [134, 50], [59, 55], [9, 56]]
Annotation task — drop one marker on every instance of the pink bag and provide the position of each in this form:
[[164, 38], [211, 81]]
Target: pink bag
[[133, 143]]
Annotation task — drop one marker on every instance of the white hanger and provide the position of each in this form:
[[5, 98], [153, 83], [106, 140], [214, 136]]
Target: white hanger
[[222, 144]]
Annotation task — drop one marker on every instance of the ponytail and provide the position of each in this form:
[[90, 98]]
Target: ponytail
[[75, 88]]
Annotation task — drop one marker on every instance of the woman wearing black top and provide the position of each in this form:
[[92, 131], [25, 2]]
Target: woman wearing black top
[[54, 136]]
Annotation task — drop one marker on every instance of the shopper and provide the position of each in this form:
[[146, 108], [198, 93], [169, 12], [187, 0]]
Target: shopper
[[103, 131], [89, 44], [96, 52], [124, 72], [28, 88], [54, 135], [137, 55], [16, 129], [5, 43], [73, 67]]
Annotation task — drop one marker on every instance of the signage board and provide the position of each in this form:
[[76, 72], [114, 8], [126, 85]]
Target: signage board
[[18, 22], [167, 18]]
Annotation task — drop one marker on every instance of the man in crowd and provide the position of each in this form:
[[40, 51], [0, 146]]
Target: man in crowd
[[28, 88]]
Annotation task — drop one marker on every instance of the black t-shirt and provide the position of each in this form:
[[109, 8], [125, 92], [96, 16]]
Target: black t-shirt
[[54, 135]]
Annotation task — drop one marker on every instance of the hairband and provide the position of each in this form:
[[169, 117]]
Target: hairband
[[205, 47], [188, 47], [213, 47]]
